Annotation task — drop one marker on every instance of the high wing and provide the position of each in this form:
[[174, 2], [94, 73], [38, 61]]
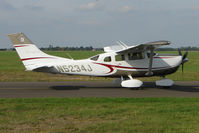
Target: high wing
[[143, 47], [120, 46]]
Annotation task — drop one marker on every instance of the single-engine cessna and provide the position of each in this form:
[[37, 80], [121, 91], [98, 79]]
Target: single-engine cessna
[[119, 61]]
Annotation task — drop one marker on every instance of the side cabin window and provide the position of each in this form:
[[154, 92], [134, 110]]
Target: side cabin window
[[119, 57], [136, 55], [107, 59], [95, 58]]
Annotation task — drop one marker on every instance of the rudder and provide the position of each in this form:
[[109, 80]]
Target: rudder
[[30, 55], [19, 38], [24, 47]]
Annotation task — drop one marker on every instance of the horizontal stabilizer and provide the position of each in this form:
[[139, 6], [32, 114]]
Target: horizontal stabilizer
[[46, 69]]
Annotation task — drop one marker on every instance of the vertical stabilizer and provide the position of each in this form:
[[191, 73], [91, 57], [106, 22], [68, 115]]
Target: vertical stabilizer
[[19, 38], [24, 47], [31, 56]]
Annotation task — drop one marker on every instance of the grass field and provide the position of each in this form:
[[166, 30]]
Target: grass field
[[95, 115], [100, 115], [12, 69]]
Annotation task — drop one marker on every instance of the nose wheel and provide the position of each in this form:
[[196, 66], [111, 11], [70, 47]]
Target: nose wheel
[[164, 82]]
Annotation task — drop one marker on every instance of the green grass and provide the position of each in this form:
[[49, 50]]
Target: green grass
[[12, 69], [97, 115]]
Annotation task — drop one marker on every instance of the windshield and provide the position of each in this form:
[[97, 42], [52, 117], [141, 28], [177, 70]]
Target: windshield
[[95, 58]]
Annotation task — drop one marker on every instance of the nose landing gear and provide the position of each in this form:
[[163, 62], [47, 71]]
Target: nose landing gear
[[164, 82]]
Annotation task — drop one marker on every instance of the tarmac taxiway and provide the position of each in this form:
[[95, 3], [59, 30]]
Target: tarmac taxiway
[[94, 89]]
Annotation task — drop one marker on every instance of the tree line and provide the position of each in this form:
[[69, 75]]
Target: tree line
[[90, 48], [57, 48]]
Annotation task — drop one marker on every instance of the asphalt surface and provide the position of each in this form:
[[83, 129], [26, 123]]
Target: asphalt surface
[[94, 89]]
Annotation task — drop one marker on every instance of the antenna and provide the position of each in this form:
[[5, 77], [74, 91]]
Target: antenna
[[122, 44], [69, 56]]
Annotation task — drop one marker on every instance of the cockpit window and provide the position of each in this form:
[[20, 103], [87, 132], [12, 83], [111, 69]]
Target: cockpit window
[[136, 55], [107, 59], [120, 57], [95, 58]]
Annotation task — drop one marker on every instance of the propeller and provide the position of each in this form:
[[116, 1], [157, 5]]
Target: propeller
[[184, 58], [179, 51]]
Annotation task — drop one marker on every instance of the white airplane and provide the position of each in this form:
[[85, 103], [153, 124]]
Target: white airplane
[[121, 61]]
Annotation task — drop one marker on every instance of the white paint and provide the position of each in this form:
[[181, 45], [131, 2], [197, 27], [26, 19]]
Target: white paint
[[132, 83]]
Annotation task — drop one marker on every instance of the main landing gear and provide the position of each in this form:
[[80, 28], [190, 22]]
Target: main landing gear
[[137, 84], [131, 83]]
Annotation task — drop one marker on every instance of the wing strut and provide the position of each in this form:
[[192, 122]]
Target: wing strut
[[150, 73]]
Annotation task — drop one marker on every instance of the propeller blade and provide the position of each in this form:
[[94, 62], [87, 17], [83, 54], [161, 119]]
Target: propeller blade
[[183, 59], [185, 55], [179, 51]]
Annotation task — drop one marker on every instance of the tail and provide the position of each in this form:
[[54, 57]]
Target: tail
[[30, 55]]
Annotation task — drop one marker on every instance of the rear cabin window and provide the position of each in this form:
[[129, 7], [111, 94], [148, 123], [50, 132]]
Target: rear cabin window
[[119, 57], [107, 59], [95, 58], [136, 56]]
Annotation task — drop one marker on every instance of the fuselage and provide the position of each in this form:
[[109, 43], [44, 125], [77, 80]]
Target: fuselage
[[114, 65]]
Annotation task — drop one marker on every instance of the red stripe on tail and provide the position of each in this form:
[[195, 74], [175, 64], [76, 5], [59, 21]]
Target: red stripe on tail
[[16, 46], [36, 58]]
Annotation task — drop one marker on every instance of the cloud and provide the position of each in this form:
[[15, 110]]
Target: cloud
[[125, 9], [88, 7], [6, 6]]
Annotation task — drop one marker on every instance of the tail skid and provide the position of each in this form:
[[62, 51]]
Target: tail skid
[[31, 56]]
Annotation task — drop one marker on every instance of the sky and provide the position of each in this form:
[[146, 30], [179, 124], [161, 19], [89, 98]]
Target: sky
[[100, 23]]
